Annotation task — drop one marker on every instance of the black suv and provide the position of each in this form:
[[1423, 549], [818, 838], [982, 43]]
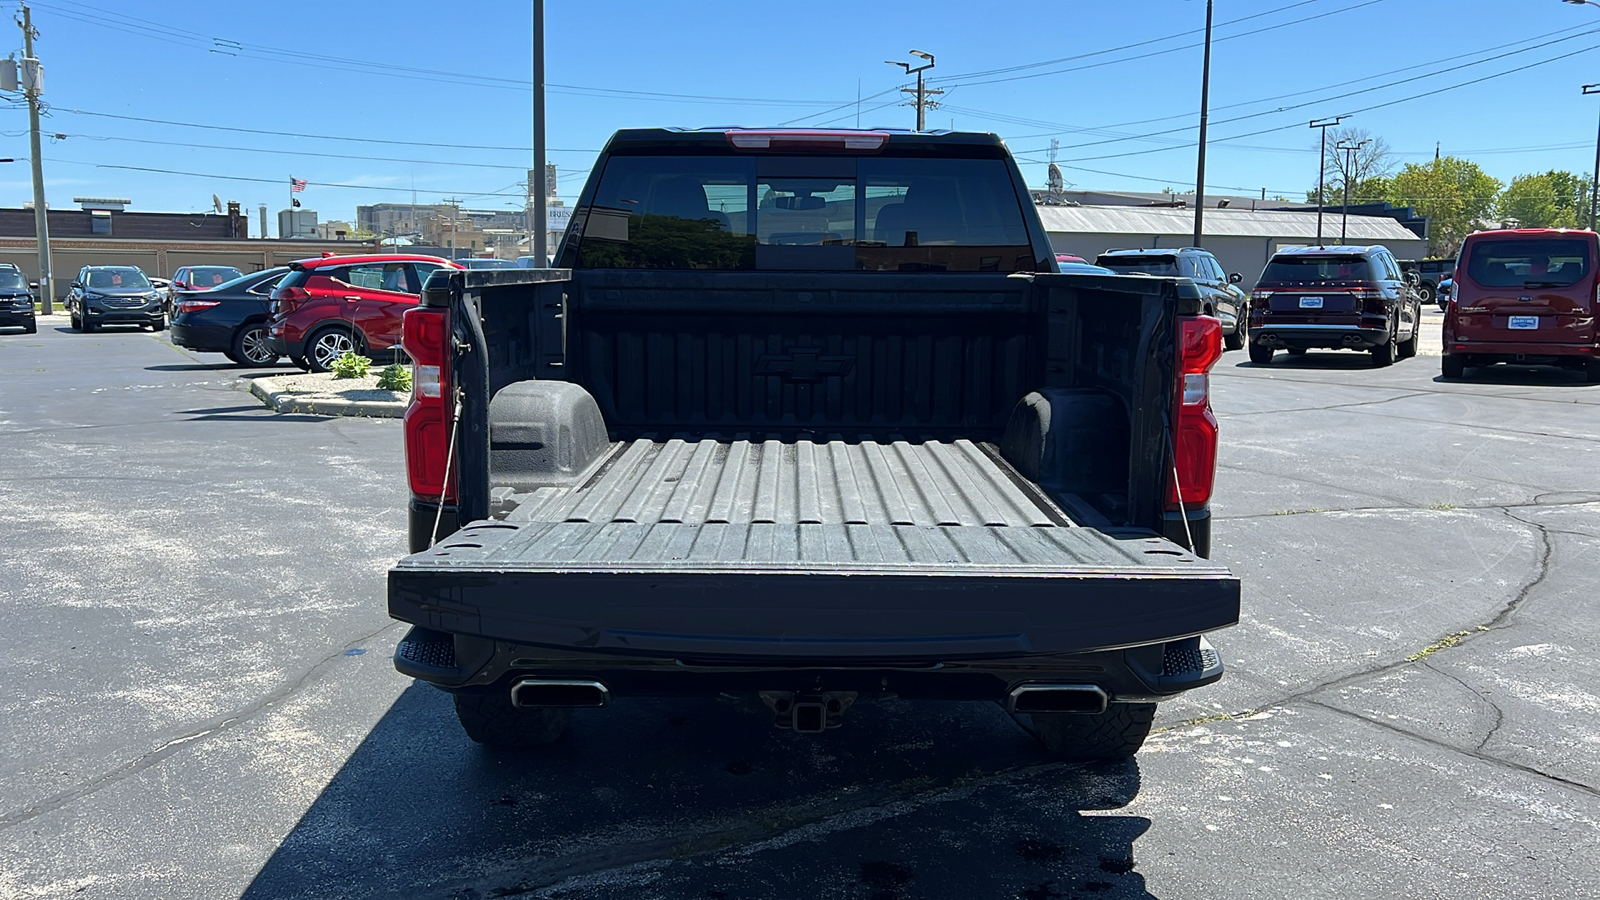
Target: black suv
[[114, 295], [1219, 297], [16, 300], [1351, 298]]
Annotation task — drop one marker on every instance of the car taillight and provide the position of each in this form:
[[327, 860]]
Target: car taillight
[[425, 336], [187, 305], [1260, 296], [1194, 432]]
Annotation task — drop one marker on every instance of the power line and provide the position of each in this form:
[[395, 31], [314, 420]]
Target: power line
[[304, 153], [503, 192]]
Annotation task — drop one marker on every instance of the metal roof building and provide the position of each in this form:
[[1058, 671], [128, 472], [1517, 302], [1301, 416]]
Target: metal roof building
[[1242, 240]]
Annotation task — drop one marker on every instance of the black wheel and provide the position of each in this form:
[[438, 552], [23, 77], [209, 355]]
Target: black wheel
[[88, 326], [1426, 292], [31, 328], [1235, 341], [1592, 370], [300, 363], [491, 720], [250, 347], [1408, 347], [1387, 352], [329, 344], [1452, 367], [159, 326], [77, 322], [1260, 354], [1297, 351], [1117, 733]]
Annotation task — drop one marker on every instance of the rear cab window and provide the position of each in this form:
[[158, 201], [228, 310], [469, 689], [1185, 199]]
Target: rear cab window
[[1523, 262], [883, 213], [1322, 269]]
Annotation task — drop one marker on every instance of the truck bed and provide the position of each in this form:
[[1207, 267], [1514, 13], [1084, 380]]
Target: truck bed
[[807, 550]]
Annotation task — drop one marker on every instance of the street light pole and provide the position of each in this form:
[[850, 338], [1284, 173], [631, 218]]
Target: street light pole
[[1350, 151], [1200, 167], [1322, 166], [922, 102], [1594, 187]]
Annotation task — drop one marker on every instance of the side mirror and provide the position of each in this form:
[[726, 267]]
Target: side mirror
[[33, 285], [1235, 278], [76, 284]]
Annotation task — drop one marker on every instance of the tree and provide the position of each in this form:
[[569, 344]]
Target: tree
[[1553, 199], [1453, 193], [1368, 168]]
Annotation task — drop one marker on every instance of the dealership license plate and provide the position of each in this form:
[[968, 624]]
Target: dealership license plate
[[1523, 323], [1310, 302]]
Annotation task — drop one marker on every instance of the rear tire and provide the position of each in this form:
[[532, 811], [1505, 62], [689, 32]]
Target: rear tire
[[1117, 733], [250, 347], [491, 720], [1455, 367], [1385, 353], [300, 363], [1592, 370], [1260, 354]]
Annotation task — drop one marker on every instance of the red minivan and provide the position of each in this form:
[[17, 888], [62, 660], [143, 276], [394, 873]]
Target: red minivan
[[327, 306], [1524, 296]]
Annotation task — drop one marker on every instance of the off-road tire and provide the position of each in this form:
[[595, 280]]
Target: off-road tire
[[491, 720], [1117, 733], [1452, 367], [1260, 354]]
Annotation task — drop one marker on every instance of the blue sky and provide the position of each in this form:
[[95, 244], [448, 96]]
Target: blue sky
[[312, 75]]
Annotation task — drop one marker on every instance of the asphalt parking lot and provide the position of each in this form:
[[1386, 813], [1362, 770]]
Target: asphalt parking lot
[[199, 701]]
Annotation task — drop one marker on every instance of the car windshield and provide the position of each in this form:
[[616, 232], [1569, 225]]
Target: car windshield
[[885, 214], [212, 276], [119, 279], [1140, 265], [1313, 269], [12, 281], [1554, 262]]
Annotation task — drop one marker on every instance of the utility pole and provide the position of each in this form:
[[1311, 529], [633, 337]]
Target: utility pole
[[41, 214], [1322, 165], [540, 243], [1350, 151], [455, 210], [1205, 103], [1594, 187], [921, 92]]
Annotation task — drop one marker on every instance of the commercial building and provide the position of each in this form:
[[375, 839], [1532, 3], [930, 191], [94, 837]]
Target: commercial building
[[1242, 240]]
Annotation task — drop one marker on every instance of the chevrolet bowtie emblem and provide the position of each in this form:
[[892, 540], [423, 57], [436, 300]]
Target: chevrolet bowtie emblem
[[804, 364]]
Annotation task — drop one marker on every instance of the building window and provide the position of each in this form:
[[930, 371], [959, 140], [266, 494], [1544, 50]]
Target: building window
[[100, 221]]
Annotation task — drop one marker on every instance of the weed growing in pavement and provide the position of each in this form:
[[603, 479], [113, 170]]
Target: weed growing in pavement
[[350, 365], [1443, 506], [1443, 643], [394, 377]]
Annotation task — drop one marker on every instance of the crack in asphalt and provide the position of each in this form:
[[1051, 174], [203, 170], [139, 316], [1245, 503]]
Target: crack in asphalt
[[1331, 406], [1499, 714], [210, 728], [1535, 503]]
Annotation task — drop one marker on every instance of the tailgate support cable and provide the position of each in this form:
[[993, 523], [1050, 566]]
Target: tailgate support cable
[[1177, 489], [449, 460]]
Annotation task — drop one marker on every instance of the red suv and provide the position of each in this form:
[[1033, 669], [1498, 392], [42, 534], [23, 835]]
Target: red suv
[[327, 306], [1524, 296]]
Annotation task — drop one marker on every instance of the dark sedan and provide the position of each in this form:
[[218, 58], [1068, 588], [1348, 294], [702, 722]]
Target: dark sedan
[[114, 295], [16, 302], [230, 318]]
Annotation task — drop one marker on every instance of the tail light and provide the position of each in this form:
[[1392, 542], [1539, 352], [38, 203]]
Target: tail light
[[425, 335], [1194, 432], [191, 305]]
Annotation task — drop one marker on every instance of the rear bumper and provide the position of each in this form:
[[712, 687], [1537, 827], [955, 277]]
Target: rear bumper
[[1139, 674], [203, 338], [1308, 337], [1519, 351]]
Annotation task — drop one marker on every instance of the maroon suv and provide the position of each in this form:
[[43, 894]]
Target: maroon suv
[[325, 307], [1524, 296], [1342, 298]]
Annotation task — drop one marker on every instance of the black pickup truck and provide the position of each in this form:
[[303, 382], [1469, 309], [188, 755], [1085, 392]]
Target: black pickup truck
[[812, 417]]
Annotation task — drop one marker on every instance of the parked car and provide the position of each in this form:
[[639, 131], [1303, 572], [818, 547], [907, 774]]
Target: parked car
[[16, 301], [1083, 268], [230, 318], [1219, 294], [989, 508], [1447, 288], [486, 263], [1351, 298], [532, 262], [114, 295], [1430, 272], [1524, 296], [197, 278], [325, 307], [1069, 258]]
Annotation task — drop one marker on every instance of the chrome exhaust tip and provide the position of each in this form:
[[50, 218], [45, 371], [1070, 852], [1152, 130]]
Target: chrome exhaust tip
[[1087, 699], [540, 692]]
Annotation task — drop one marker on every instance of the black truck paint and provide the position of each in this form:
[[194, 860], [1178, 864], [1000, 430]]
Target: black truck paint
[[811, 483]]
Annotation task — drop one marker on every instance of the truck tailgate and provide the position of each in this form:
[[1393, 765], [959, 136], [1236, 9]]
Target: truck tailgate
[[811, 591]]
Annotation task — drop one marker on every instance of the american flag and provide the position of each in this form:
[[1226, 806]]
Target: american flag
[[296, 185]]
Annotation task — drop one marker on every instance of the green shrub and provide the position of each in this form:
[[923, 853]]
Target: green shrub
[[395, 378], [350, 365]]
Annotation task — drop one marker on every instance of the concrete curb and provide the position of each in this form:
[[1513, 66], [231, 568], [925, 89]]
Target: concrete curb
[[273, 394]]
